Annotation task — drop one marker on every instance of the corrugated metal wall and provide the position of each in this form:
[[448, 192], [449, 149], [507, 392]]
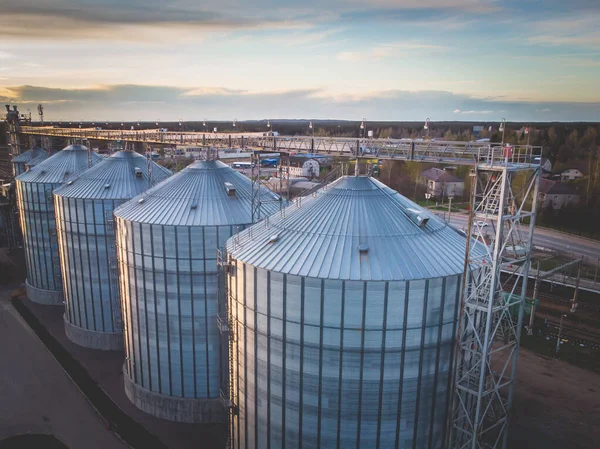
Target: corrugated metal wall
[[87, 246], [340, 364], [168, 284], [36, 210]]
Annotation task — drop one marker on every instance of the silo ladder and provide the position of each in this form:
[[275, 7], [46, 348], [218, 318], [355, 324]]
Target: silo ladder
[[113, 272]]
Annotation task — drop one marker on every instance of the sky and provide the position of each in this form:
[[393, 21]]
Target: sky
[[471, 60]]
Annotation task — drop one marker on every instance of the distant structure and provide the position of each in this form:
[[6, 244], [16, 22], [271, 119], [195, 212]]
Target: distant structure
[[167, 242], [545, 164], [442, 184], [40, 109], [308, 168], [571, 174], [86, 240], [344, 312], [28, 159], [557, 195], [36, 207]]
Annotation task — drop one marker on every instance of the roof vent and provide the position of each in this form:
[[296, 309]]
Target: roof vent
[[363, 248], [194, 206], [69, 183], [229, 188], [274, 238], [419, 217], [138, 172], [141, 200], [106, 186]]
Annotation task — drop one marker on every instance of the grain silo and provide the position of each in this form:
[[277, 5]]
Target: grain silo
[[343, 311], [22, 162], [167, 241], [36, 209], [86, 240]]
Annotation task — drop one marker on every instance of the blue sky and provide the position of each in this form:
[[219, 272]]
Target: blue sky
[[527, 60]]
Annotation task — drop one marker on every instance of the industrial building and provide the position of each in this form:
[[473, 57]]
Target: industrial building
[[343, 315], [86, 240], [342, 310], [36, 208], [167, 242], [22, 162]]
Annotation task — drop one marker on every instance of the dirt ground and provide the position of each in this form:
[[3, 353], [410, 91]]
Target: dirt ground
[[556, 405], [36, 396]]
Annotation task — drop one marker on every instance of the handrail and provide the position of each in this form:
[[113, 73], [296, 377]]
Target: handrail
[[434, 151]]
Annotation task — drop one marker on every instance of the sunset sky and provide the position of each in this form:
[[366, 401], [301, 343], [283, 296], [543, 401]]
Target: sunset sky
[[527, 60]]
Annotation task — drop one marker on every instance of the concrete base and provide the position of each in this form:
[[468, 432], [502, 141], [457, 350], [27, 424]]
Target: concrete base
[[106, 341], [174, 409], [45, 297]]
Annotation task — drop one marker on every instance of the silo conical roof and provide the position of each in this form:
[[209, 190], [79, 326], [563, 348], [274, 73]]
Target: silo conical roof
[[355, 229], [34, 155], [198, 196], [120, 176], [61, 166]]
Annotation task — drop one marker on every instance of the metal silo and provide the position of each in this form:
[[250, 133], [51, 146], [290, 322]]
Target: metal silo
[[167, 241], [36, 209], [343, 313], [86, 240], [27, 159]]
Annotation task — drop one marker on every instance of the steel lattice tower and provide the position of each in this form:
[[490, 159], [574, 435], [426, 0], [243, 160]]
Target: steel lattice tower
[[488, 342]]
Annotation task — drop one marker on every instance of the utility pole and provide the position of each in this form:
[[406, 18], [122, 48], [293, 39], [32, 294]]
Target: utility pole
[[576, 292], [562, 317], [450, 198], [535, 292], [502, 128]]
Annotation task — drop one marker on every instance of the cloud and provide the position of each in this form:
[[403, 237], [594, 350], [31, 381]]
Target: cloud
[[382, 51], [579, 30], [133, 20], [131, 102], [62, 19], [6, 55], [475, 112]]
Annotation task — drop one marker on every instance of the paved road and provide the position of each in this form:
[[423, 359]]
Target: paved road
[[37, 396], [547, 238]]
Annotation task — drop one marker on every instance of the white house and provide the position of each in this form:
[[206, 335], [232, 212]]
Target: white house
[[442, 184], [570, 174]]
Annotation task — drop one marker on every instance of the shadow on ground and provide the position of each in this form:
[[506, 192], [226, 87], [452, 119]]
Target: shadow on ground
[[32, 441]]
